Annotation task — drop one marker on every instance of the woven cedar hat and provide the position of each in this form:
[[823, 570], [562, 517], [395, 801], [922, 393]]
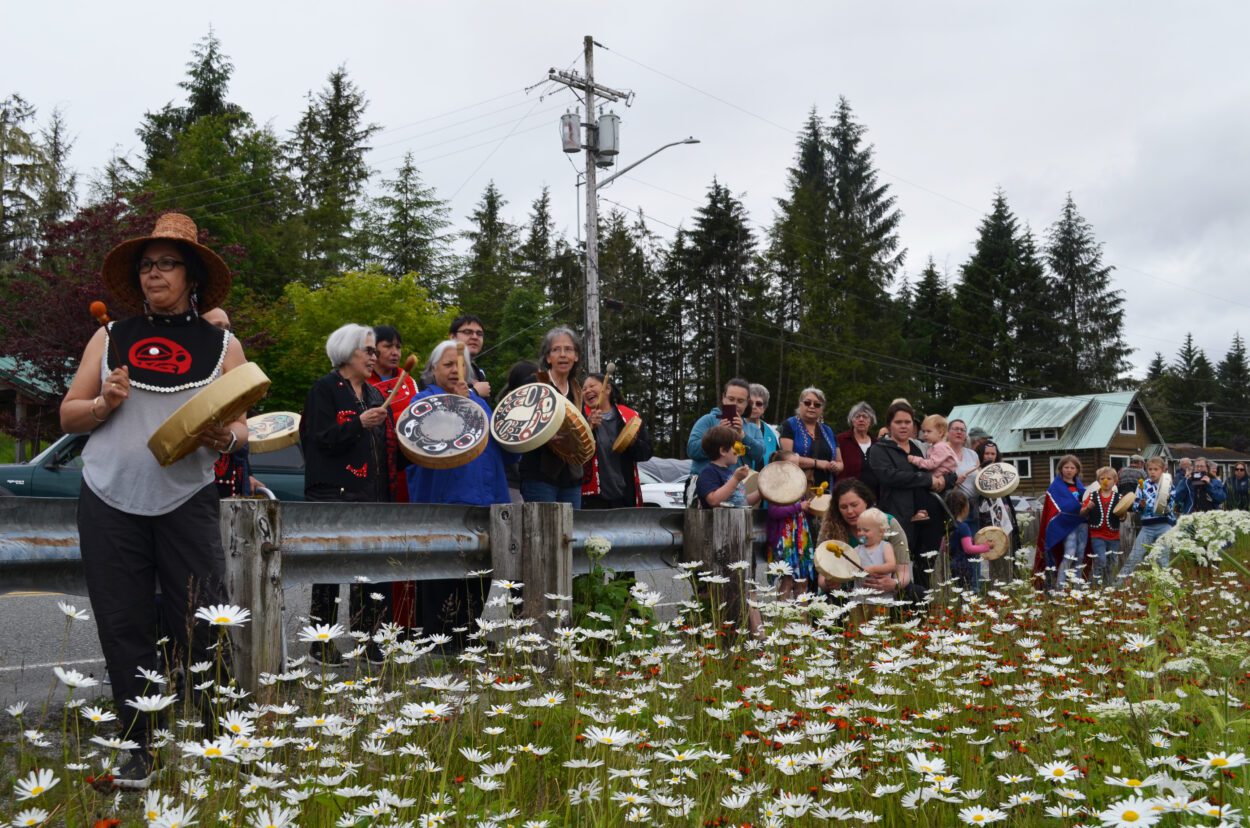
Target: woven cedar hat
[[118, 272]]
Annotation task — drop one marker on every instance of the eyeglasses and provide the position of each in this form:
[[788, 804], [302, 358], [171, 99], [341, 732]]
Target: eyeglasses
[[1240, 469], [472, 333], [813, 403], [370, 350], [758, 404], [164, 264]]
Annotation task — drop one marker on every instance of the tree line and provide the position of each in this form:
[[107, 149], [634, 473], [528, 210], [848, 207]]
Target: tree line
[[816, 296]]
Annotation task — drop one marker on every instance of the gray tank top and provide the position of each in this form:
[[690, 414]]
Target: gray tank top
[[118, 467]]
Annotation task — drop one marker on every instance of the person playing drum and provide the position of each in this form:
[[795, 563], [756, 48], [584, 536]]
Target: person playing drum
[[1104, 524], [447, 604], [545, 475], [140, 523], [997, 511], [610, 480], [350, 454]]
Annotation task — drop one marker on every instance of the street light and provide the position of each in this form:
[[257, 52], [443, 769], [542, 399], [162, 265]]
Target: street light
[[592, 252]]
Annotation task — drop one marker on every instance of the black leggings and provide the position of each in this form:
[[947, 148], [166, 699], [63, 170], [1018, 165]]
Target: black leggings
[[123, 557]]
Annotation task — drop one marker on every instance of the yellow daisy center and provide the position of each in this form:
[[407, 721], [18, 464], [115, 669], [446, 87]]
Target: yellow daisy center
[[322, 636], [1219, 762], [35, 791], [213, 752], [1058, 772], [978, 818], [1130, 816], [1133, 783], [222, 619]]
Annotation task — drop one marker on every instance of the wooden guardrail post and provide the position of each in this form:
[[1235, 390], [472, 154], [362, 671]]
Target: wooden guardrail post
[[251, 534], [546, 561], [718, 538]]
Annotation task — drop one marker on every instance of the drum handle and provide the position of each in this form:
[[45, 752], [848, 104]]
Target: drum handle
[[464, 371]]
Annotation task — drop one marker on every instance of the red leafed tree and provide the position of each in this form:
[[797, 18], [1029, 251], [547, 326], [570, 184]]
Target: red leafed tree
[[44, 316]]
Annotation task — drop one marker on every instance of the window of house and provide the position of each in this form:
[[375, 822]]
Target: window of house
[[1118, 461], [1129, 424], [1023, 465], [1039, 435]]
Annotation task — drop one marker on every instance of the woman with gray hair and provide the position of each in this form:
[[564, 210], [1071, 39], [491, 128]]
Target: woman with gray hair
[[757, 405], [853, 444], [545, 476], [448, 606], [348, 438], [807, 436]]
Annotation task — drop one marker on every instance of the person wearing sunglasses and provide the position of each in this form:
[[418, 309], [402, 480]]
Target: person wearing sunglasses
[[350, 455], [807, 435], [758, 405]]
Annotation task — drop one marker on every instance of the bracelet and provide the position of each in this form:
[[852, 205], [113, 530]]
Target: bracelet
[[234, 441], [94, 416]]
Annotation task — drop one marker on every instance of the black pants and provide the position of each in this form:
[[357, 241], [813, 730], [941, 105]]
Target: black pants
[[123, 557]]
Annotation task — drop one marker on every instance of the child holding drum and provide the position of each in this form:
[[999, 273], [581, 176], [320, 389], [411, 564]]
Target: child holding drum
[[1100, 510]]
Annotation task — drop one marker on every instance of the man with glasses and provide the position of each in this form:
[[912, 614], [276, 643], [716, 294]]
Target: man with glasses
[[1238, 489], [469, 330]]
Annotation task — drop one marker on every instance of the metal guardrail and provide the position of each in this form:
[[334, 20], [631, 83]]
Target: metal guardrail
[[336, 542]]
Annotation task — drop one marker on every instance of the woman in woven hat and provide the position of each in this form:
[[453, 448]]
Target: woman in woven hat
[[141, 523]]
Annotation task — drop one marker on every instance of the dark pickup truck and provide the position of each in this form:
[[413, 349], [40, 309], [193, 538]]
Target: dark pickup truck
[[57, 471]]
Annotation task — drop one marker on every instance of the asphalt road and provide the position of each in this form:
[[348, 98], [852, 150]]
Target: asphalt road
[[35, 636]]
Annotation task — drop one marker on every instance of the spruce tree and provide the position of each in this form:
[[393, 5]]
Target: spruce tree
[[536, 256], [1193, 382], [327, 154], [490, 268], [405, 231], [1156, 391], [800, 250], [1032, 322], [57, 192], [23, 166], [1090, 354], [928, 340], [983, 306], [1232, 398], [206, 85]]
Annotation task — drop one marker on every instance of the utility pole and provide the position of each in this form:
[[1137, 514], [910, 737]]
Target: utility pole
[[1203, 406], [591, 90]]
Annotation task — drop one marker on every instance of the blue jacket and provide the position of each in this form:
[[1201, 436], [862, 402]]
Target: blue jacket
[[480, 482], [1191, 498], [751, 438]]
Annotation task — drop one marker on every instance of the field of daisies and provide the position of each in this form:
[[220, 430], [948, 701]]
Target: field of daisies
[[1123, 706]]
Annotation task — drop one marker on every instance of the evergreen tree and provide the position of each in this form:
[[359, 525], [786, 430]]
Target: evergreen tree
[[406, 230], [206, 85], [1090, 354], [1232, 397], [800, 249], [23, 167], [490, 268], [535, 258], [327, 155], [1156, 391], [982, 308], [1031, 320], [723, 252], [57, 191], [1193, 381], [928, 338]]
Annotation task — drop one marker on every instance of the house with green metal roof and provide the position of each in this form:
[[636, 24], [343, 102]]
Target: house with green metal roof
[[1100, 429], [24, 395]]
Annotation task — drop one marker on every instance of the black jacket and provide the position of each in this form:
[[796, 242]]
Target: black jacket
[[899, 485], [343, 460]]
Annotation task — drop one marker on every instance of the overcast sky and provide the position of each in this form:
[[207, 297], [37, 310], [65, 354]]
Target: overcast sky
[[1140, 109]]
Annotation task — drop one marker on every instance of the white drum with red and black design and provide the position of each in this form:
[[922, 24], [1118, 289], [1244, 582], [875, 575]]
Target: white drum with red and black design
[[272, 432], [442, 431], [529, 417]]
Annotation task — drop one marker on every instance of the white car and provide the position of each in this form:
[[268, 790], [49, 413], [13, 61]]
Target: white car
[[664, 482], [655, 492]]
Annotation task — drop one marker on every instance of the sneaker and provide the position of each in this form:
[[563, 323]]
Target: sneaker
[[325, 653], [136, 774]]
